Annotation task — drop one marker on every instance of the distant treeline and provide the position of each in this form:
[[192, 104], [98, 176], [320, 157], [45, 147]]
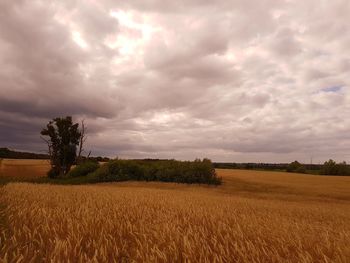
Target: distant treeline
[[263, 166], [328, 168], [10, 154]]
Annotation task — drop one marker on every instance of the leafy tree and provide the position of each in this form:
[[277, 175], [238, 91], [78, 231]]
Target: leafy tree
[[343, 168], [332, 168], [329, 167], [64, 138], [296, 167]]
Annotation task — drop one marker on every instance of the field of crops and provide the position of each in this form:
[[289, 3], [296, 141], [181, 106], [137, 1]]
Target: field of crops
[[22, 169], [253, 217]]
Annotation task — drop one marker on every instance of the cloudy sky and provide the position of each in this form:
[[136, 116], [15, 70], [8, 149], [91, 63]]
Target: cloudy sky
[[232, 80]]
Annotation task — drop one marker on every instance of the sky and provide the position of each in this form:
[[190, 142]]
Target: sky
[[235, 81]]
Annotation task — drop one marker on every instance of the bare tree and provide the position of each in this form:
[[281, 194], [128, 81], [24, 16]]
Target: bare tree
[[82, 140], [49, 152]]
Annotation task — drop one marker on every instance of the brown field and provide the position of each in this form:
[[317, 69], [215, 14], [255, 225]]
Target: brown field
[[253, 217]]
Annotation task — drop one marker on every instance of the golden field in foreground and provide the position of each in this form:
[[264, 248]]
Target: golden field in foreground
[[253, 217]]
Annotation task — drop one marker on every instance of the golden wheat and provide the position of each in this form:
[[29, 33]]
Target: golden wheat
[[23, 168], [158, 222]]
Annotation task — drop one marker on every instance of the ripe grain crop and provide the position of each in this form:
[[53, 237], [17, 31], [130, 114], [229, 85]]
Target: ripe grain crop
[[241, 221], [22, 169]]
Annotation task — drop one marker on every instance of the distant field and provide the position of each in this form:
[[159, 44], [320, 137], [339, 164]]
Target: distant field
[[286, 185], [253, 217], [23, 168]]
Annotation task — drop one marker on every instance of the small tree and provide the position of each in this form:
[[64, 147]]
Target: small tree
[[296, 167], [329, 168], [64, 138]]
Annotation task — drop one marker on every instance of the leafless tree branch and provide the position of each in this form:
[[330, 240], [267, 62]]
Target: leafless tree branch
[[49, 149], [83, 138]]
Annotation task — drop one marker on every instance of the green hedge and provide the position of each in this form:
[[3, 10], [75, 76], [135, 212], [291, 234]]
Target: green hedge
[[196, 172], [83, 169]]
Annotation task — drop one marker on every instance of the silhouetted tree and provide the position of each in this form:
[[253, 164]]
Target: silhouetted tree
[[64, 138]]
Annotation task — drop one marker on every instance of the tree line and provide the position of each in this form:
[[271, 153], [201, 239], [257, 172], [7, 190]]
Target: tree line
[[329, 167], [10, 154], [6, 153]]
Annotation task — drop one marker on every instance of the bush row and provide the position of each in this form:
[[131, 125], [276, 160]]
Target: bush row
[[83, 169], [198, 171], [328, 168]]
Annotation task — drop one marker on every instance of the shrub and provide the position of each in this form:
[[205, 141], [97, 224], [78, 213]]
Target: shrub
[[83, 169], [201, 172]]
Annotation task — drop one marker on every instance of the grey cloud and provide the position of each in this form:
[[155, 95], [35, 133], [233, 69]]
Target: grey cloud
[[43, 73], [231, 80], [96, 21], [210, 68], [285, 44]]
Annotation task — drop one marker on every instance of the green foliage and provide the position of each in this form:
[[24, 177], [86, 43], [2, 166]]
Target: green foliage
[[88, 179], [83, 169], [63, 140], [98, 158], [53, 173], [343, 169], [301, 170], [296, 167], [332, 168], [198, 171]]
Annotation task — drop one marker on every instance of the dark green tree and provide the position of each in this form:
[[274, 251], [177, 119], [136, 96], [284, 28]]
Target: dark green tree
[[296, 167], [64, 138], [332, 168], [329, 168], [343, 168]]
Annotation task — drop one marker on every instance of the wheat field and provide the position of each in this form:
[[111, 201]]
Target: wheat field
[[22, 169], [252, 217]]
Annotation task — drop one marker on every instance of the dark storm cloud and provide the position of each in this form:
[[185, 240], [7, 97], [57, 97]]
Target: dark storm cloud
[[231, 80]]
